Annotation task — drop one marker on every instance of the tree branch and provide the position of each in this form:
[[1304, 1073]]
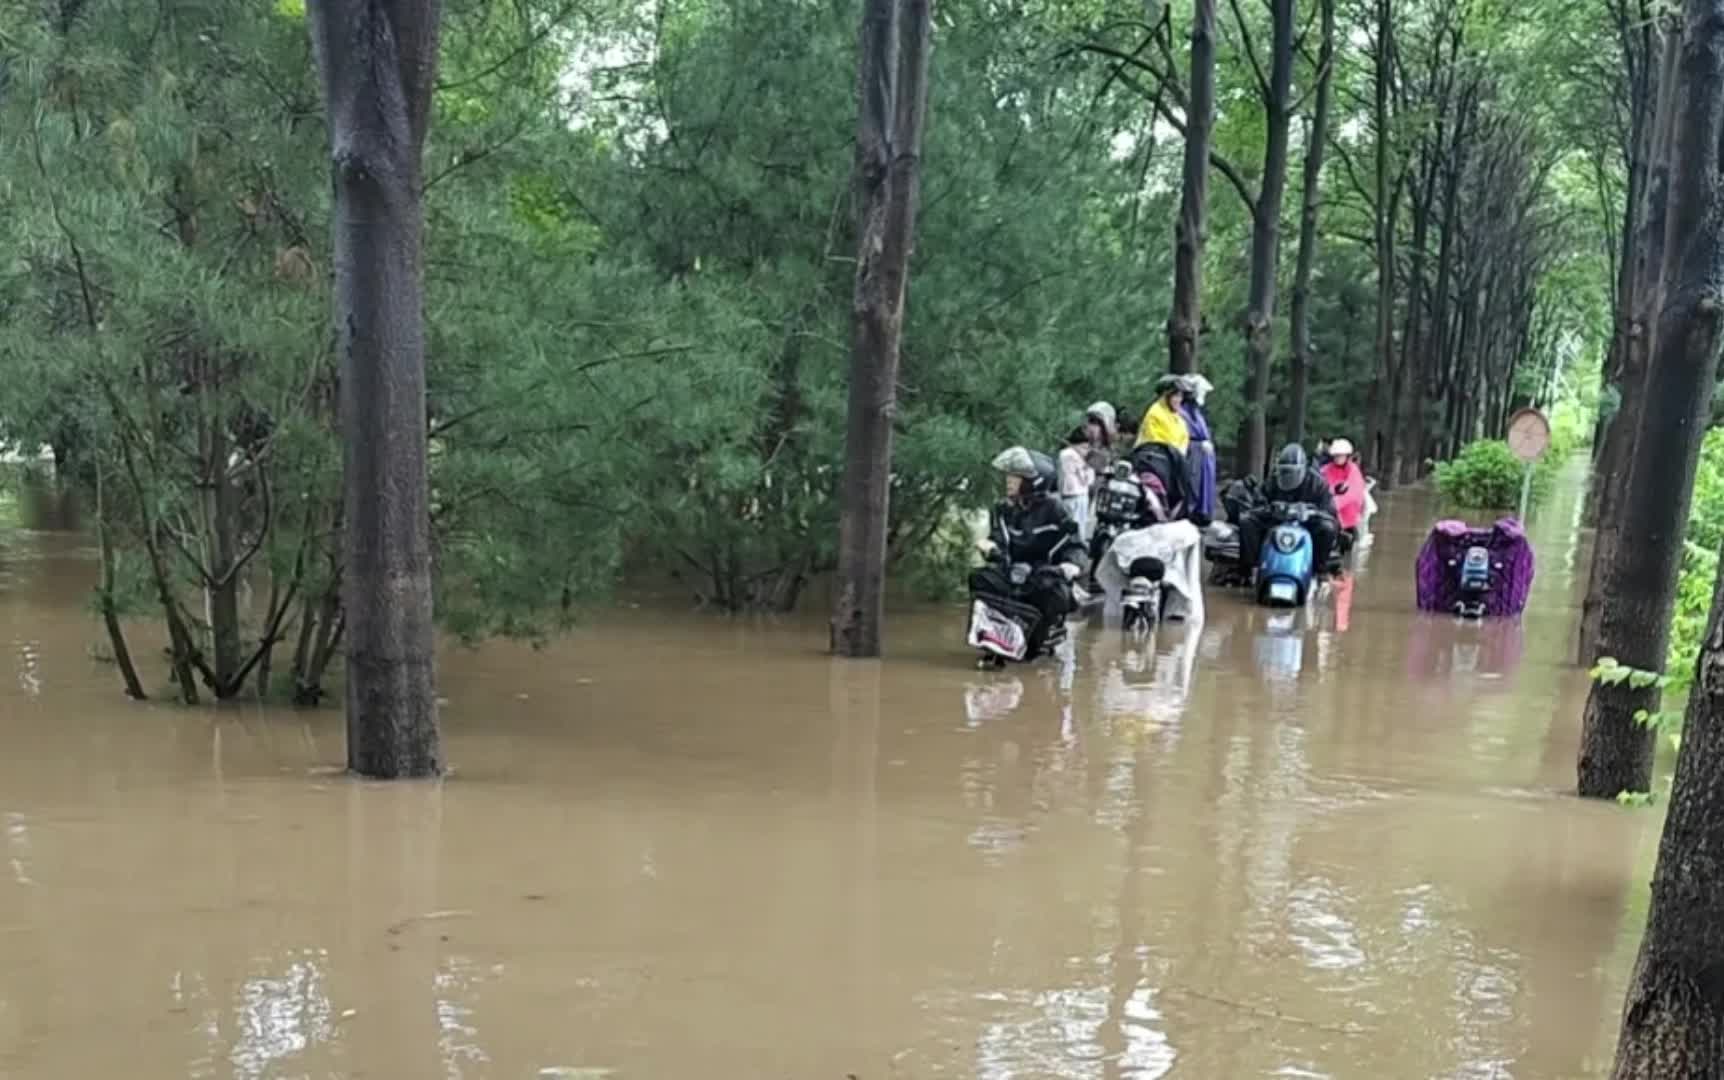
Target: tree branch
[[1216, 160]]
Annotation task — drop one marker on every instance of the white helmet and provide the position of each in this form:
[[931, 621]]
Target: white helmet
[[1340, 448], [1016, 461]]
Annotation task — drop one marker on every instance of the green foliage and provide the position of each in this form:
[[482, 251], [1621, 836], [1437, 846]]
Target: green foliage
[[639, 264], [1486, 475]]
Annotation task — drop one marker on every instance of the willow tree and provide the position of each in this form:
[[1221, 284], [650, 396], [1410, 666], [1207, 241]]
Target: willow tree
[[1639, 581], [892, 82], [378, 59]]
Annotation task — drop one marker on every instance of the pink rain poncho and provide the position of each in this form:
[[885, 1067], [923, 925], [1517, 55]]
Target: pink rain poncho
[[1349, 507]]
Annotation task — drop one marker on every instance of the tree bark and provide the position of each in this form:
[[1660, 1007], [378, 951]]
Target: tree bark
[[1277, 95], [1310, 203], [1673, 1019], [378, 59], [1190, 232], [1640, 580], [1640, 299], [892, 93]]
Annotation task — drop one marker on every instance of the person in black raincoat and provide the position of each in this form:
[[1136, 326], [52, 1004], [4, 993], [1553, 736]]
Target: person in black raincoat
[[1292, 479], [1030, 527]]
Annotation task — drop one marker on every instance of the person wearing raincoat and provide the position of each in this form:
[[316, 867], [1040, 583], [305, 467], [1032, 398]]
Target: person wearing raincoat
[[1347, 481], [1163, 422], [1200, 457], [1102, 423]]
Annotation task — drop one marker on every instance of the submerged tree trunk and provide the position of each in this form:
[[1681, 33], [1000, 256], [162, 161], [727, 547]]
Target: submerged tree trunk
[[379, 59], [1634, 342], [1311, 200], [892, 100], [1673, 1021], [1190, 233], [1266, 243], [1640, 579]]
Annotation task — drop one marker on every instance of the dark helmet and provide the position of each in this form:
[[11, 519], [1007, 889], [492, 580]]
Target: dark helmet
[[1167, 384], [1047, 480], [1291, 465]]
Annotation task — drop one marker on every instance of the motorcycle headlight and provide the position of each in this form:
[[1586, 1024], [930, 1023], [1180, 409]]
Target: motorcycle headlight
[[1286, 541]]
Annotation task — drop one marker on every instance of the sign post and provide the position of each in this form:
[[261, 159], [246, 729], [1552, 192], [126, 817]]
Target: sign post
[[1528, 439]]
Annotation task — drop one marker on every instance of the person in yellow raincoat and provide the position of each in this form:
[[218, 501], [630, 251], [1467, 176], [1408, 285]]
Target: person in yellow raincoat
[[1163, 422]]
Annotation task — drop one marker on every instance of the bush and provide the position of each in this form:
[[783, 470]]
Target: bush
[[1486, 475]]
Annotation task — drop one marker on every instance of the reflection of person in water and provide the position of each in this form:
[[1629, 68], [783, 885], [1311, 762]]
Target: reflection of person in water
[[1342, 590]]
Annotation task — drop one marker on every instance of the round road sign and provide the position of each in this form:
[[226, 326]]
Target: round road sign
[[1528, 434]]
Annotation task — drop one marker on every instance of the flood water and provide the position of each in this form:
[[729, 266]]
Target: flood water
[[676, 846]]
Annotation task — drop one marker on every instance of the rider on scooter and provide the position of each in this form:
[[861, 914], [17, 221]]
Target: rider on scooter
[[1030, 528], [1291, 480]]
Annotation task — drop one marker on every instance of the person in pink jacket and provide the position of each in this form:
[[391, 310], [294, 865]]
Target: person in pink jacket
[[1347, 481]]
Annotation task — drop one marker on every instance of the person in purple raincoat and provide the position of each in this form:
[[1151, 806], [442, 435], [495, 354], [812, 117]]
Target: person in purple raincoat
[[1200, 458]]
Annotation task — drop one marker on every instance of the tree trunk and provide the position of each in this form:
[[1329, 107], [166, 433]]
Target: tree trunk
[[1190, 231], [1642, 297], [222, 527], [1311, 200], [1403, 464], [110, 609], [1384, 221], [1673, 1020], [378, 60], [892, 101], [1266, 243], [1640, 579]]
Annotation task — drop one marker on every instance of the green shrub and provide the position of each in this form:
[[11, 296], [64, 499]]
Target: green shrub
[[1486, 475]]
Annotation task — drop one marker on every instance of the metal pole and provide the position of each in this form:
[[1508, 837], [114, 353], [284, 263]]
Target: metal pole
[[1525, 490]]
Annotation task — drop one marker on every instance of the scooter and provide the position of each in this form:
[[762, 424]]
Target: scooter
[[1286, 567], [1000, 627]]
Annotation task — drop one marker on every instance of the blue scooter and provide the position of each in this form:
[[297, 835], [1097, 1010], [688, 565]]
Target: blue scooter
[[1286, 567]]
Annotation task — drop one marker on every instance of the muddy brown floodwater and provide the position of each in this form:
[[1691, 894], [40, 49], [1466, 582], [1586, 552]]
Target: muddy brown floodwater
[[677, 847]]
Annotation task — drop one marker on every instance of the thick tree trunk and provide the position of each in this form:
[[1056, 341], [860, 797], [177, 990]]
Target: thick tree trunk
[[1673, 1021], [1640, 580], [1266, 243], [892, 95], [1641, 297], [1310, 202], [1190, 231], [379, 59]]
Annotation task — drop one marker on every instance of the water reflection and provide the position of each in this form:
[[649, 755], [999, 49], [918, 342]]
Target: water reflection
[[281, 1016], [1476, 651]]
